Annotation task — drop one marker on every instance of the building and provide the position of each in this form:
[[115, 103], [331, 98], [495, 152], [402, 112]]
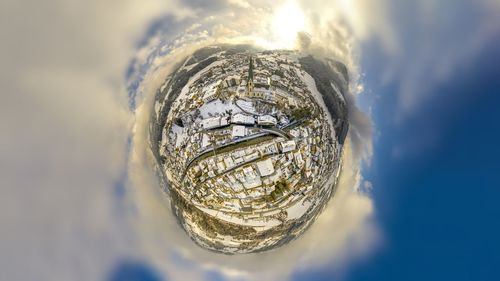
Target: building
[[261, 81], [261, 93], [252, 182], [212, 91], [243, 119], [299, 161], [210, 123], [224, 121], [273, 79], [251, 156], [240, 91], [267, 120], [294, 132], [221, 166], [250, 77], [292, 102], [232, 81], [257, 93], [265, 167], [238, 131], [229, 162], [205, 141], [287, 146], [283, 119], [280, 96]]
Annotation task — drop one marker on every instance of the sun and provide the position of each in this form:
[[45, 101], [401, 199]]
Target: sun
[[287, 21]]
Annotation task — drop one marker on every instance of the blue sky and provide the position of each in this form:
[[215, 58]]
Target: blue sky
[[437, 200], [438, 205]]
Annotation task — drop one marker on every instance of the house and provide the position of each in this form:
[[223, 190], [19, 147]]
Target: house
[[299, 161], [228, 161], [287, 146], [212, 91], [240, 118], [267, 120], [238, 131], [210, 123], [205, 142], [265, 167]]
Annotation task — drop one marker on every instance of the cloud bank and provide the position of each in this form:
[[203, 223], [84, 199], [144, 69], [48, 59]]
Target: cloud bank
[[65, 122]]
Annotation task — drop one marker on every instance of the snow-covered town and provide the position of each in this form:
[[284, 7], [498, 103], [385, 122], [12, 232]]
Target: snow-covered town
[[249, 142]]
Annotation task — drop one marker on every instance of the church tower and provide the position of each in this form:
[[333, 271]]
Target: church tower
[[250, 78]]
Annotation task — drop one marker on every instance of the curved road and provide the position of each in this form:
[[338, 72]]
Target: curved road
[[266, 131]]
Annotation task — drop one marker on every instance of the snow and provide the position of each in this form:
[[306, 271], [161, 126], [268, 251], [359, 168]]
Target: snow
[[311, 85], [163, 137], [238, 131], [247, 106], [157, 107], [164, 85], [163, 141], [185, 90], [217, 107], [298, 209], [265, 167], [337, 92], [229, 240], [179, 132], [236, 220]]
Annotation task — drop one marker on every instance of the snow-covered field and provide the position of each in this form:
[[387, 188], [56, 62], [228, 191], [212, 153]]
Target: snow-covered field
[[337, 92], [311, 85], [217, 107], [298, 209], [261, 225], [185, 90]]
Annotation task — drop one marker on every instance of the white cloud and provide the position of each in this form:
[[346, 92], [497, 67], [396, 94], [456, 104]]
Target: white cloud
[[64, 120], [435, 38]]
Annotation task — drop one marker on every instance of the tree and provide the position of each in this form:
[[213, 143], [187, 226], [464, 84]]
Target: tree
[[300, 113]]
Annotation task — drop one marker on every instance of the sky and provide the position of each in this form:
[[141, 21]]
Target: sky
[[418, 199]]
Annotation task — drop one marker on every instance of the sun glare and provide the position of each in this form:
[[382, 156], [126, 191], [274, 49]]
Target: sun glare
[[286, 23]]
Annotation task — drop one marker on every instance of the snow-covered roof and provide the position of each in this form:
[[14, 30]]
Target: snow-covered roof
[[238, 131], [240, 118], [265, 167], [288, 145], [210, 123], [267, 119]]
